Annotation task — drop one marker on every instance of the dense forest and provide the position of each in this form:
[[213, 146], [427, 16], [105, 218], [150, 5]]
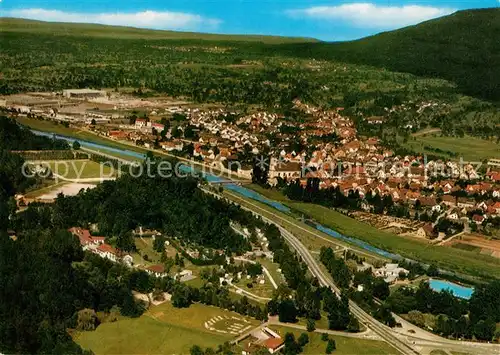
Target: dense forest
[[12, 180], [443, 48], [234, 71], [175, 206], [17, 137], [50, 285]]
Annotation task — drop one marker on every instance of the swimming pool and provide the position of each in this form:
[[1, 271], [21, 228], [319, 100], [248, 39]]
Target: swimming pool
[[456, 289]]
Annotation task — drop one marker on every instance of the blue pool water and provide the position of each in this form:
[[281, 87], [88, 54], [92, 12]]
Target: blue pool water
[[456, 289]]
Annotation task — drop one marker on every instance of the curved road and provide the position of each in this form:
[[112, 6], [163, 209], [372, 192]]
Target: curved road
[[406, 344]]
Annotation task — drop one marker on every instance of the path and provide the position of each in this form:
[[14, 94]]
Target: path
[[445, 241], [366, 334], [86, 180], [428, 131], [249, 294], [405, 343], [106, 155]]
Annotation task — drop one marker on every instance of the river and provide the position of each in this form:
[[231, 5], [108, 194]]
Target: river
[[240, 190]]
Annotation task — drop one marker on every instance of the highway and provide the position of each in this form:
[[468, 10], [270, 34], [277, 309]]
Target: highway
[[381, 330], [405, 343]]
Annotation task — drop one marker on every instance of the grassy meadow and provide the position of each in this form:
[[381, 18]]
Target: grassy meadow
[[345, 345], [80, 169], [51, 127], [469, 148], [123, 32], [162, 329], [456, 260]]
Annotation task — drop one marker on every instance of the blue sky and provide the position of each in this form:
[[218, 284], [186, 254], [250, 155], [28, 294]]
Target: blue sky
[[331, 20]]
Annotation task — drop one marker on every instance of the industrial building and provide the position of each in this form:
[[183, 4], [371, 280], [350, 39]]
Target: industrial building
[[83, 93]]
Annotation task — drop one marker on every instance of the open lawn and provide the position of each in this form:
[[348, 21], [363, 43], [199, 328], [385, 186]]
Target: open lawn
[[468, 148], [272, 268], [80, 169], [145, 247], [345, 346], [448, 258], [162, 329], [271, 193]]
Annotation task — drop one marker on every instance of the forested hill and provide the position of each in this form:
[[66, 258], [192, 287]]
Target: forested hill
[[123, 32], [463, 48]]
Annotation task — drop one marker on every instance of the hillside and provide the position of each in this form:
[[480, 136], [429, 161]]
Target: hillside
[[462, 48], [122, 32]]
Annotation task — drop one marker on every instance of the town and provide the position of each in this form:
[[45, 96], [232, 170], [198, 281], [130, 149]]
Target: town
[[443, 200], [250, 178]]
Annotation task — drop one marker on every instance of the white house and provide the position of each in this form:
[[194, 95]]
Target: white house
[[107, 251], [390, 272]]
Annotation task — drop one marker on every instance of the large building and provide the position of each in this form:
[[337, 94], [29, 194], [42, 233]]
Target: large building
[[83, 93]]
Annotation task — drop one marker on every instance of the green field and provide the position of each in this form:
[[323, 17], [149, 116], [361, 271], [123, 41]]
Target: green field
[[122, 32], [468, 148], [161, 330], [456, 260], [307, 234], [80, 169], [345, 345], [460, 261]]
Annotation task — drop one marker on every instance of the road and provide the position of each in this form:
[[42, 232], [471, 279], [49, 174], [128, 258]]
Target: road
[[367, 334], [406, 344]]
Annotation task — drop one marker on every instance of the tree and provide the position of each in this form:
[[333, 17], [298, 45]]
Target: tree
[[311, 325], [331, 346], [176, 132], [159, 243], [87, 320], [291, 346], [432, 270], [417, 318], [485, 329], [353, 326], [303, 340], [126, 242], [287, 311], [196, 350], [324, 336], [93, 122], [380, 288], [76, 145], [260, 170]]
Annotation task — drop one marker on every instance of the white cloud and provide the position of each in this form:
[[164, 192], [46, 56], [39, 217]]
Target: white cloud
[[368, 15], [145, 19]]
